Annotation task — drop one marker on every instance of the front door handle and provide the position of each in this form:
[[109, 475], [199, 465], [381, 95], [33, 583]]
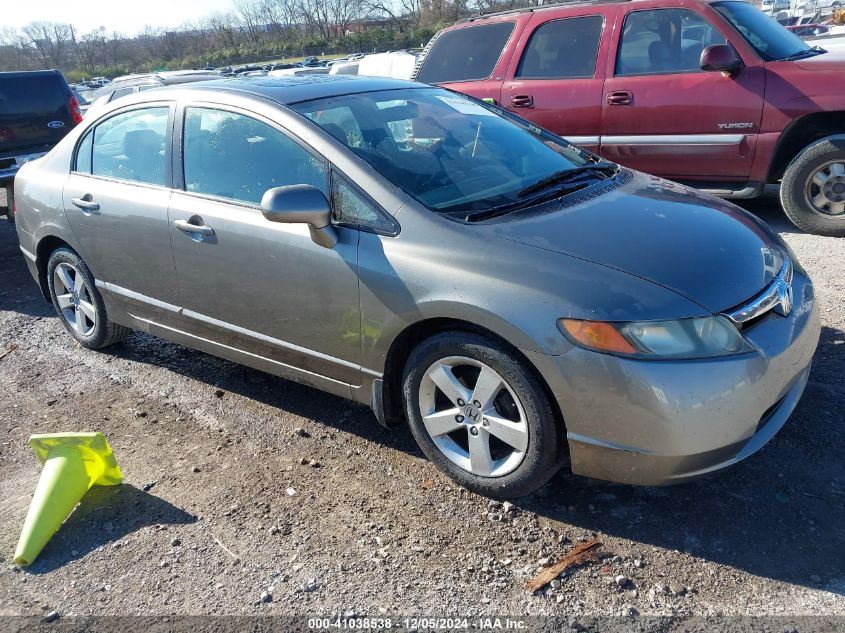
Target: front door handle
[[522, 101], [86, 203], [620, 97], [187, 226]]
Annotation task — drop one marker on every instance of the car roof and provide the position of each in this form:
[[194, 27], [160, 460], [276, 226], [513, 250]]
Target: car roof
[[31, 73], [292, 89], [554, 5]]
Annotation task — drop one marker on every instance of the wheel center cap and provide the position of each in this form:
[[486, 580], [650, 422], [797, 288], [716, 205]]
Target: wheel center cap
[[839, 187], [472, 413]]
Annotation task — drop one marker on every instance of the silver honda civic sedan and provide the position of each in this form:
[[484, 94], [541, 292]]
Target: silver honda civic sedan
[[522, 303]]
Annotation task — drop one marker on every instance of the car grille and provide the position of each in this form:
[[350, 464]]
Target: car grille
[[777, 295]]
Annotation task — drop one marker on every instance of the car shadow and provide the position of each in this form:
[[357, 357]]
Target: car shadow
[[286, 395], [779, 514], [106, 514], [18, 292]]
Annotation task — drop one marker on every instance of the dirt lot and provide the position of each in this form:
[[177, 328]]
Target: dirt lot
[[210, 450]]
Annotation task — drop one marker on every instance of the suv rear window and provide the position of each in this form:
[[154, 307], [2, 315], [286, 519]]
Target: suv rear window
[[562, 49], [465, 54], [32, 94]]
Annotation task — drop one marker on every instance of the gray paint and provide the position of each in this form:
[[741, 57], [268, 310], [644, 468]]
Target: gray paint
[[264, 294]]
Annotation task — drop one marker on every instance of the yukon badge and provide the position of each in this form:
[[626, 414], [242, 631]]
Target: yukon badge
[[735, 126], [56, 124]]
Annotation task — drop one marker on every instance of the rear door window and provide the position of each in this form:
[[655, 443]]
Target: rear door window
[[562, 49], [466, 54], [130, 146]]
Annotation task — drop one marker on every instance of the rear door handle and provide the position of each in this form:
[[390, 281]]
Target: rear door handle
[[522, 101], [620, 97], [188, 227], [86, 203]]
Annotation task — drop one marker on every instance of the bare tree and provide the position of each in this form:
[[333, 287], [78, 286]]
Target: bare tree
[[51, 40], [14, 49], [249, 18], [401, 14], [151, 39]]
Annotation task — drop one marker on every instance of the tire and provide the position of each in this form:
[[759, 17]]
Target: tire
[[800, 193], [517, 409], [76, 299]]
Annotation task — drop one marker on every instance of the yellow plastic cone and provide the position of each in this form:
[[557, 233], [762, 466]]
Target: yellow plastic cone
[[73, 462]]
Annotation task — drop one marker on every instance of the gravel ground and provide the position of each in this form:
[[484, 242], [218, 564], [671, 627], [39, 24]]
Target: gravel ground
[[219, 514]]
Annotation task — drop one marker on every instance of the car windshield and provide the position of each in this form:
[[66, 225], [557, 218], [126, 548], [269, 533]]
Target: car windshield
[[771, 40], [448, 151]]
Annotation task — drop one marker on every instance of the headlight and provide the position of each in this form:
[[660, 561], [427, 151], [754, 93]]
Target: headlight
[[702, 337]]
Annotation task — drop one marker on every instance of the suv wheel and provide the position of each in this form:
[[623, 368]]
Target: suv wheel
[[480, 415], [78, 302], [813, 188]]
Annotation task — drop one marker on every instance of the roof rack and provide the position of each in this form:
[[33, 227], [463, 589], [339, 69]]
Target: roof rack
[[563, 3]]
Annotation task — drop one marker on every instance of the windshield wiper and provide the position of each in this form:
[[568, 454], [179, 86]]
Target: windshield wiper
[[565, 176], [807, 52], [556, 185], [494, 212]]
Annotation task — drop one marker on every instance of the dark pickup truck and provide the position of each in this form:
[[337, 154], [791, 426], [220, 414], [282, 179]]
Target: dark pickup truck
[[37, 109], [709, 93]]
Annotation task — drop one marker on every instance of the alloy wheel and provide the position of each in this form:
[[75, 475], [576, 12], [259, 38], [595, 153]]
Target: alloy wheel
[[74, 299], [473, 416], [825, 189]]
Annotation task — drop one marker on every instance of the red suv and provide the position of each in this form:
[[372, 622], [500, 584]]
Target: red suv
[[713, 94]]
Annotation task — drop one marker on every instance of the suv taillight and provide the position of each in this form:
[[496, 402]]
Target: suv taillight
[[75, 112]]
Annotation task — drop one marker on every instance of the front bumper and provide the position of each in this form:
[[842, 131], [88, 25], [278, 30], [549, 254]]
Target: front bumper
[[662, 422]]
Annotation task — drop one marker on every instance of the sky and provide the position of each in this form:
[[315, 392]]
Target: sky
[[125, 16]]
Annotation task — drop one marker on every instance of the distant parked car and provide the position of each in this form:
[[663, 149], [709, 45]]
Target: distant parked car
[[37, 109], [523, 304], [773, 7], [241, 70], [809, 30], [129, 84], [821, 7], [299, 70], [712, 94]]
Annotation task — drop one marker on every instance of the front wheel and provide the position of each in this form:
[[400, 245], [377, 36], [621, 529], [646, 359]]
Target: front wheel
[[78, 302], [481, 416], [813, 188]]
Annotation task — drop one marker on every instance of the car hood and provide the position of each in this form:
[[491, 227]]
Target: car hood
[[833, 59], [703, 248]]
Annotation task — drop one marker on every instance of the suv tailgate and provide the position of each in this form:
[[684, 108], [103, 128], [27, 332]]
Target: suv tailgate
[[34, 111]]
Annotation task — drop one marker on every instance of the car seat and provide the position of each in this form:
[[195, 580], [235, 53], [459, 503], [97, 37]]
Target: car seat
[[144, 161], [660, 56]]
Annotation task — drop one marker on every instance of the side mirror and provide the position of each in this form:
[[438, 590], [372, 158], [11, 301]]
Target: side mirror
[[301, 204], [721, 58]]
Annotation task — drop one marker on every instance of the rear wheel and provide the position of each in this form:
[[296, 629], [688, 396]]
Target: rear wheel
[[78, 302], [813, 188], [481, 416]]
